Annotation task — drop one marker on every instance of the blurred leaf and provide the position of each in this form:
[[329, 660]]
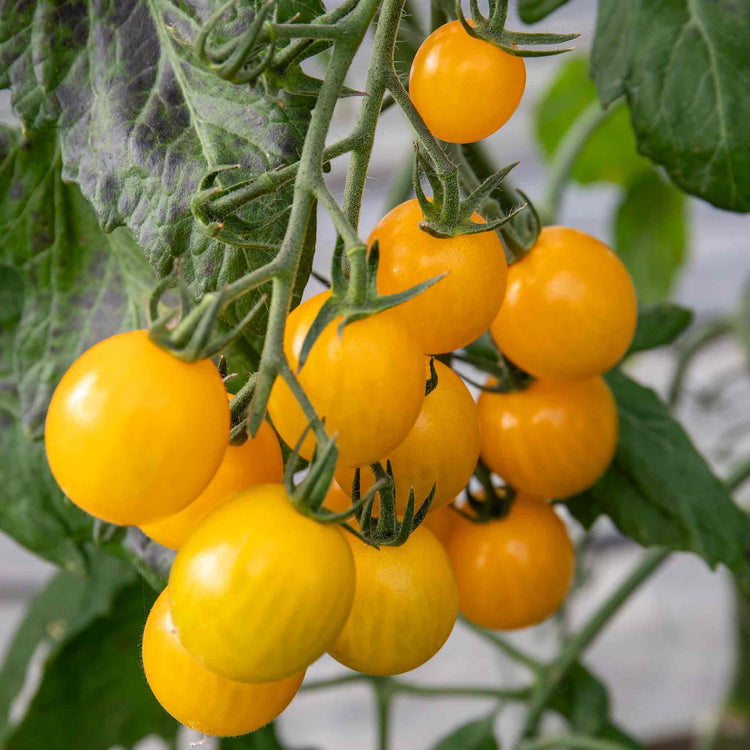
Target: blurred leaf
[[93, 692], [659, 325], [262, 739], [651, 235], [659, 489], [610, 154], [685, 70], [477, 735], [532, 11], [583, 700]]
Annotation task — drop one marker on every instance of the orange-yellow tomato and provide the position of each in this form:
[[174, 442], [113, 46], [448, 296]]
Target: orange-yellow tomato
[[257, 461], [570, 310], [367, 383], [551, 440], [404, 609], [461, 306], [515, 571], [441, 522], [259, 591], [442, 448], [133, 433], [464, 88], [196, 696]]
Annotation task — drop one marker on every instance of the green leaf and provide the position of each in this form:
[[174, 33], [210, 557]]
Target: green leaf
[[93, 693], [532, 11], [659, 489], [64, 609], [140, 123], [685, 70], [477, 735], [659, 325], [651, 235], [583, 701], [610, 154]]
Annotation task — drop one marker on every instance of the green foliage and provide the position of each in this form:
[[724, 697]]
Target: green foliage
[[476, 735], [684, 68], [660, 491], [263, 739], [532, 11], [659, 325], [651, 235], [609, 154]]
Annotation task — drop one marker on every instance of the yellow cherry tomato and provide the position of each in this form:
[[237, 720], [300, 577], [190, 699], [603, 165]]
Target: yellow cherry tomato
[[551, 440], [133, 433], [405, 606], [464, 88], [442, 447], [514, 571], [441, 522], [259, 591], [196, 696], [368, 383], [570, 310], [461, 306], [256, 461]]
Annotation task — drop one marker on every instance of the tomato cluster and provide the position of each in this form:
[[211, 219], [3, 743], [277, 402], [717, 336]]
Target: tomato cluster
[[259, 590]]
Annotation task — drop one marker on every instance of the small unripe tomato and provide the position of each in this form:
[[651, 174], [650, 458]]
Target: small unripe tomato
[[259, 591], [404, 609], [257, 461], [441, 449], [133, 433], [553, 439], [460, 307], [367, 383], [514, 571], [199, 698], [570, 310], [463, 87]]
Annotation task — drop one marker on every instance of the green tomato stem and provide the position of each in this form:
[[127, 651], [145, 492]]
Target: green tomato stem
[[506, 647]]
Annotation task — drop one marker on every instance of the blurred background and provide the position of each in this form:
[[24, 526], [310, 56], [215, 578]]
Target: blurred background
[[669, 655]]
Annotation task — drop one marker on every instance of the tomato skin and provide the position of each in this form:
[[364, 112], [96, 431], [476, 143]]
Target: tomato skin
[[553, 439], [405, 606], [441, 522], [199, 698], [133, 433], [570, 310], [515, 571], [461, 306], [442, 447], [257, 461], [259, 591], [368, 384], [464, 88]]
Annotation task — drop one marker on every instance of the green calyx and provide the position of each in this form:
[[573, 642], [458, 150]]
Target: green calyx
[[445, 213], [492, 29], [386, 529], [484, 355], [492, 504]]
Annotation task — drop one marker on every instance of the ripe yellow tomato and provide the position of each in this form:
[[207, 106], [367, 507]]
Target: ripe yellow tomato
[[464, 88], [514, 571], [461, 306], [441, 449], [441, 522], [553, 439], [257, 461], [570, 310], [368, 383], [259, 591], [133, 433], [196, 696], [405, 606]]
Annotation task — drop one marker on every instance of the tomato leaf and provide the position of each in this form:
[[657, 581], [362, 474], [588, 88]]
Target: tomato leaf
[[651, 235], [532, 11], [610, 154], [659, 489], [476, 735], [140, 123], [659, 325], [93, 689], [685, 70]]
